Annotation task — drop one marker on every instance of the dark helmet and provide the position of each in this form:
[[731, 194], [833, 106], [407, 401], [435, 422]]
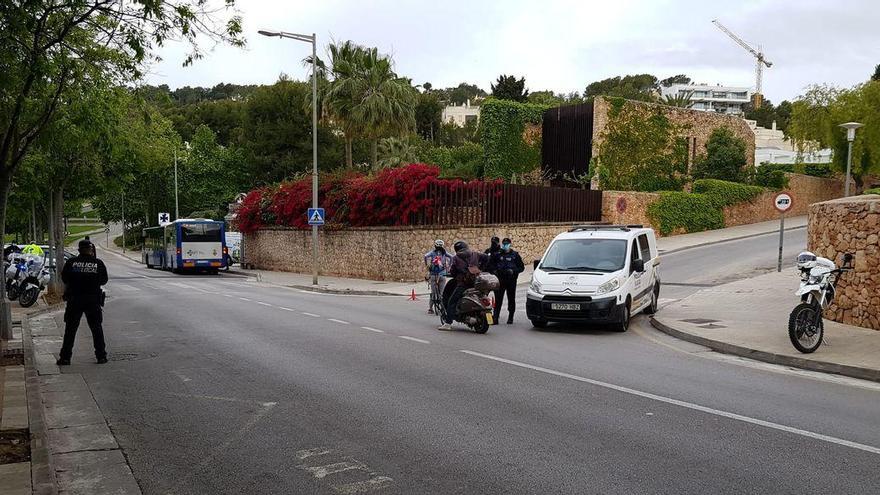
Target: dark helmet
[[459, 246]]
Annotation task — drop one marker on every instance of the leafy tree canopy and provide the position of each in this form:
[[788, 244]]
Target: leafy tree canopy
[[510, 88], [641, 87]]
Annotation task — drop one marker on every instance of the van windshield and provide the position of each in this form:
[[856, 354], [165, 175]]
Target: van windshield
[[585, 255]]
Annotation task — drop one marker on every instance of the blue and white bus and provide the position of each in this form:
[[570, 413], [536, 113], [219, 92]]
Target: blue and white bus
[[186, 244]]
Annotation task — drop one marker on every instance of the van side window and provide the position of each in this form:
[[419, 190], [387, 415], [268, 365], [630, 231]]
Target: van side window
[[645, 248], [634, 253]]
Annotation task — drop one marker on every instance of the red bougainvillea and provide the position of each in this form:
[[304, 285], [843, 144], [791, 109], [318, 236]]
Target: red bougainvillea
[[396, 196]]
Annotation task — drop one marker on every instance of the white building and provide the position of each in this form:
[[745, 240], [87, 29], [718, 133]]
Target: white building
[[771, 146], [721, 99], [461, 114]]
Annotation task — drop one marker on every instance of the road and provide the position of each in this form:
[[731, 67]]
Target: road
[[226, 385]]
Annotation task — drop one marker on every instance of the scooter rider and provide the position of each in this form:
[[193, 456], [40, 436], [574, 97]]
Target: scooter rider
[[438, 263], [508, 264], [466, 266]]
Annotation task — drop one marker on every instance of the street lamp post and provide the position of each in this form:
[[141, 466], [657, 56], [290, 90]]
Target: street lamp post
[[123, 222], [850, 137], [176, 201], [314, 41]]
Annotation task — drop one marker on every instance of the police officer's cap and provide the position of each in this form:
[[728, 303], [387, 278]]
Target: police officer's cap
[[85, 245]]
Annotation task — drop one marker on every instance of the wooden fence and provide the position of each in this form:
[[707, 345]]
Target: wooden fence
[[507, 203]]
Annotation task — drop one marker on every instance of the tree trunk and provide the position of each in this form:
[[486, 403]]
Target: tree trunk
[[5, 309], [50, 220], [57, 286], [374, 153], [348, 146]]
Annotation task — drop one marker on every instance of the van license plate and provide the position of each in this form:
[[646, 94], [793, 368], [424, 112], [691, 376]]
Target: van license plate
[[565, 307]]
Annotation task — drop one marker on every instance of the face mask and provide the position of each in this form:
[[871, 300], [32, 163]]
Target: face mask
[[505, 247]]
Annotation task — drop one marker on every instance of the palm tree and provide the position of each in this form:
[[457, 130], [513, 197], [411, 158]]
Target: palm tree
[[681, 100], [367, 97], [395, 152]]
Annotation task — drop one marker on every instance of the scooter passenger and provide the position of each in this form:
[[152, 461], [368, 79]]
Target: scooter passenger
[[466, 265]]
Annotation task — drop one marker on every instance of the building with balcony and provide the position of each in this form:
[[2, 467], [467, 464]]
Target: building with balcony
[[722, 99]]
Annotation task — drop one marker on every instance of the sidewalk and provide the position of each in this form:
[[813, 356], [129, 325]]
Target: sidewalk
[[674, 243], [749, 318]]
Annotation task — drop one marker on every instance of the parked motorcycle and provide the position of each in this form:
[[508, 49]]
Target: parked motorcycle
[[475, 307], [15, 273], [819, 277], [35, 281]]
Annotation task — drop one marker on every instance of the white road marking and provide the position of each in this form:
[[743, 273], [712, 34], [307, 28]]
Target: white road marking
[[180, 375], [423, 341], [261, 303], [363, 486], [373, 329], [306, 453], [341, 322], [321, 472], [228, 295], [313, 315], [245, 299], [285, 309], [687, 405]]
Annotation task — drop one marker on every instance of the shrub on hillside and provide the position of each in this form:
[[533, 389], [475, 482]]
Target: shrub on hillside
[[689, 211], [724, 193], [725, 158]]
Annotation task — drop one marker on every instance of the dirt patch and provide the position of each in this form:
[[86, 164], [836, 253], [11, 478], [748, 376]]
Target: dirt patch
[[15, 446]]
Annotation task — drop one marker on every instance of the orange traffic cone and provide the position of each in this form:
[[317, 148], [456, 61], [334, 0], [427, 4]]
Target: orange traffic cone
[[413, 296]]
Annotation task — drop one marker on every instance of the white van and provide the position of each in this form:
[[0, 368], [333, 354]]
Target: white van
[[596, 274]]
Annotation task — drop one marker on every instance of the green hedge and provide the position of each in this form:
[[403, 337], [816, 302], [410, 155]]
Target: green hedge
[[702, 209], [693, 212], [876, 190], [771, 175], [464, 162], [725, 193], [502, 123]]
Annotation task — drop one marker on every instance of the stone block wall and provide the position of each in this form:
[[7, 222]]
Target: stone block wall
[[384, 253], [698, 126], [805, 190], [851, 225], [627, 207]]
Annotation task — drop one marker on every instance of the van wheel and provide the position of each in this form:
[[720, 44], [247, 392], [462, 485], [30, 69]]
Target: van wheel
[[623, 324], [539, 323], [655, 298]]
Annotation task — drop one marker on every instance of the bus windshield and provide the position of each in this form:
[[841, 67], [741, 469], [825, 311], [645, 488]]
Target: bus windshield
[[200, 232]]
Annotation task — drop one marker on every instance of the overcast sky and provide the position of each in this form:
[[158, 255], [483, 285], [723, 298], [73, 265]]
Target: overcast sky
[[556, 44]]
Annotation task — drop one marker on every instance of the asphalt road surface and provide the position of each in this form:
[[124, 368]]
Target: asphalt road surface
[[225, 385]]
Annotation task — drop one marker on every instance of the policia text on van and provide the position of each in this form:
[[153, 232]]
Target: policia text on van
[[596, 274]]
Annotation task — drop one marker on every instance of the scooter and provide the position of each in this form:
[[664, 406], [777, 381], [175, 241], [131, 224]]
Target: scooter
[[35, 281], [819, 277], [475, 307]]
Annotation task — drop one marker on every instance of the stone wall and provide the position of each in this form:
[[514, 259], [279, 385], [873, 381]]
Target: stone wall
[[627, 207], [698, 126], [851, 225], [383, 253], [805, 190]]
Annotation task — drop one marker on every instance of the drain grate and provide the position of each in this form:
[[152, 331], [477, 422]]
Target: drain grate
[[129, 356], [699, 321], [15, 446], [12, 357]]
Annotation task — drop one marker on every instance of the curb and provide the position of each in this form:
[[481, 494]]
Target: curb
[[42, 470], [771, 357], [739, 238], [324, 290]]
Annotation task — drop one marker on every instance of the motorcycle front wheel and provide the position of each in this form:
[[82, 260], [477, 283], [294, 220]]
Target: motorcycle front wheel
[[12, 292], [29, 297], [804, 332]]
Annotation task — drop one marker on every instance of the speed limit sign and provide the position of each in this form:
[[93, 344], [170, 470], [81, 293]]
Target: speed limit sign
[[783, 202]]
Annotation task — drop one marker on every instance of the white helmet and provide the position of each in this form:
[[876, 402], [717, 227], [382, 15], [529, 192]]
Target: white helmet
[[806, 260], [439, 243]]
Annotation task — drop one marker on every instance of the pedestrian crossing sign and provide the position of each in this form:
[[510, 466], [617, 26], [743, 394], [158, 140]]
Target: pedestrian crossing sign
[[316, 216]]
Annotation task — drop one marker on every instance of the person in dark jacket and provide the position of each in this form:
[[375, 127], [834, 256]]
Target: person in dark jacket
[[83, 277], [494, 248], [508, 264], [466, 265]]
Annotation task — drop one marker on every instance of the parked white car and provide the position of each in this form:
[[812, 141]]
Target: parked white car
[[596, 274]]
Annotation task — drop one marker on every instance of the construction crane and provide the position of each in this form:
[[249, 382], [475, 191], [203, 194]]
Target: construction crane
[[758, 54]]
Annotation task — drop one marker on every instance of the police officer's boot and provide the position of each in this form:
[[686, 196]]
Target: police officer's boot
[[510, 319]]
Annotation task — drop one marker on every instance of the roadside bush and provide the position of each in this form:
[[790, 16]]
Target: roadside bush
[[723, 193], [134, 238], [876, 190], [771, 175], [466, 161], [689, 211], [818, 169]]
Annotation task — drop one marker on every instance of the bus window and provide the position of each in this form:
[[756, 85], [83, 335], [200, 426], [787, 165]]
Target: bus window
[[200, 232]]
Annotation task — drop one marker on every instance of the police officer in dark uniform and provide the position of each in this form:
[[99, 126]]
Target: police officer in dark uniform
[[83, 277], [507, 264]]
